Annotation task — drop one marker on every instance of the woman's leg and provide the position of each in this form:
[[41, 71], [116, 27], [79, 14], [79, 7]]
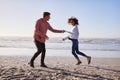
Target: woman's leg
[[81, 53], [78, 52], [73, 51]]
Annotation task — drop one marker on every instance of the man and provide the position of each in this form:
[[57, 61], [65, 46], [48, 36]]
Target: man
[[40, 37]]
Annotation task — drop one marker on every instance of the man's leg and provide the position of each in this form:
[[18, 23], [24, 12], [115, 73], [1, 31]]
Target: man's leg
[[43, 55], [38, 45]]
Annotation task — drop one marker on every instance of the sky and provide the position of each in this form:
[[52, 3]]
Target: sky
[[97, 18]]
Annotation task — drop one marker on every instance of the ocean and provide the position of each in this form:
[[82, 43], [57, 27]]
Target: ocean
[[24, 46]]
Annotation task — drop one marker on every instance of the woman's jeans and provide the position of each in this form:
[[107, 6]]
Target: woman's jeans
[[75, 48]]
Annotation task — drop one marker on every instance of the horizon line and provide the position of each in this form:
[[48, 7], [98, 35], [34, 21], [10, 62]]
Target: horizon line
[[62, 37]]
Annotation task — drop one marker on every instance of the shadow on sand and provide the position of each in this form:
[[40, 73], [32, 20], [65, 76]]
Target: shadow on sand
[[80, 75]]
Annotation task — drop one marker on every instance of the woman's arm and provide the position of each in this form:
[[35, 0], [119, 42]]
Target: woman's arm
[[69, 32], [65, 38]]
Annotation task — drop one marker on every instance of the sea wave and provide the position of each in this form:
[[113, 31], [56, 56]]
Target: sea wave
[[57, 43]]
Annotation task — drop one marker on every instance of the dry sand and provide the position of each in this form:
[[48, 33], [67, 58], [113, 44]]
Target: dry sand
[[59, 68]]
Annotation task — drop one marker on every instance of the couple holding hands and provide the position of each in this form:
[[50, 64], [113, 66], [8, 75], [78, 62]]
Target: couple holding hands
[[40, 37]]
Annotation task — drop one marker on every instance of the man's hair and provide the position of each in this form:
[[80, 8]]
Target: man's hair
[[74, 19], [46, 14]]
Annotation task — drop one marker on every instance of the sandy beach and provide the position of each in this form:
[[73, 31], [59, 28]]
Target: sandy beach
[[59, 68]]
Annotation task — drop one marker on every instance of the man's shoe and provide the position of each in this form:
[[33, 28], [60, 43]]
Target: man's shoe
[[78, 63], [31, 64], [43, 65]]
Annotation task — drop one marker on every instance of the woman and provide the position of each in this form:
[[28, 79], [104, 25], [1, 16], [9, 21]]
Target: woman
[[74, 38]]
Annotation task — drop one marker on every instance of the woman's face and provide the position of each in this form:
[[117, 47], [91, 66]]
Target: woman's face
[[72, 22]]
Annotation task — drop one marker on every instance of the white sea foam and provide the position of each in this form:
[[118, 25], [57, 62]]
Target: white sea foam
[[57, 43], [56, 47]]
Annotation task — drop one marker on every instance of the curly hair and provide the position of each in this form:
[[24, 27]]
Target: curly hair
[[74, 19]]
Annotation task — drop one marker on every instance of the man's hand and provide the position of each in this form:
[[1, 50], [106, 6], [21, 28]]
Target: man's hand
[[46, 37], [63, 31]]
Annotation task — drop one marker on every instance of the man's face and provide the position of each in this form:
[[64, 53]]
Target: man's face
[[47, 18]]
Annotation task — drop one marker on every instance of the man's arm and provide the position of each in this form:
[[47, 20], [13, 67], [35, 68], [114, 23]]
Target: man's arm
[[55, 31]]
